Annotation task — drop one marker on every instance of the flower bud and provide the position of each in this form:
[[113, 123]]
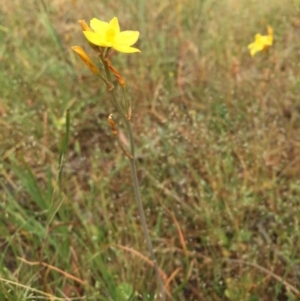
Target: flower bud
[[84, 26], [86, 59]]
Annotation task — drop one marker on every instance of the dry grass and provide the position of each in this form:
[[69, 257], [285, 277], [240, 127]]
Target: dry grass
[[218, 146]]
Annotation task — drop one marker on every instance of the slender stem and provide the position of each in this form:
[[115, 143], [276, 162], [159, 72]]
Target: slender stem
[[127, 103], [136, 185], [63, 150]]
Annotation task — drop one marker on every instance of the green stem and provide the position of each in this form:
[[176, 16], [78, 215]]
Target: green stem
[[136, 185], [127, 103], [63, 149]]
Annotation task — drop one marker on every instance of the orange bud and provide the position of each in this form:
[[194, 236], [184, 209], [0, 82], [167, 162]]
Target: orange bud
[[270, 30], [86, 59], [84, 26], [112, 124], [117, 74]]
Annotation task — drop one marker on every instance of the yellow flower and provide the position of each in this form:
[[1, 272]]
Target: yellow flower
[[109, 35], [261, 43], [86, 59]]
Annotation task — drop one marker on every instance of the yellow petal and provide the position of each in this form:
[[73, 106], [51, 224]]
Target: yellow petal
[[256, 48], [98, 26], [125, 48], [86, 59], [253, 51], [257, 37], [266, 40], [114, 24], [95, 39], [250, 45], [127, 37]]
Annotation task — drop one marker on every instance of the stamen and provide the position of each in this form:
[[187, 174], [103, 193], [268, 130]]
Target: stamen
[[110, 34]]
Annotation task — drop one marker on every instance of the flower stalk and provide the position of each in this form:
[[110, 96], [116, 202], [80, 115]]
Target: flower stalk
[[126, 119]]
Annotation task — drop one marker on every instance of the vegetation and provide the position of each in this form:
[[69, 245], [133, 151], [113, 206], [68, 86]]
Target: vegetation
[[217, 143]]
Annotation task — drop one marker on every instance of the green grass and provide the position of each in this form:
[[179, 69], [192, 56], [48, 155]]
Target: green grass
[[217, 136]]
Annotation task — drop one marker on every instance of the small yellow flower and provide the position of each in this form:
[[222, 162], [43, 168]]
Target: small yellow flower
[[261, 43], [109, 35], [86, 59]]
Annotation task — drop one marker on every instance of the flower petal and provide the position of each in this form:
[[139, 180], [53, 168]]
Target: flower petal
[[127, 37], [114, 24], [257, 37], [95, 39], [266, 40], [251, 45], [98, 26], [255, 47], [125, 48], [253, 51]]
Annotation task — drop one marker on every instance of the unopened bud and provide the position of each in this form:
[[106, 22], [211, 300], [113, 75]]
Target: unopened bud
[[116, 74], [270, 30], [86, 59], [112, 124], [84, 26]]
